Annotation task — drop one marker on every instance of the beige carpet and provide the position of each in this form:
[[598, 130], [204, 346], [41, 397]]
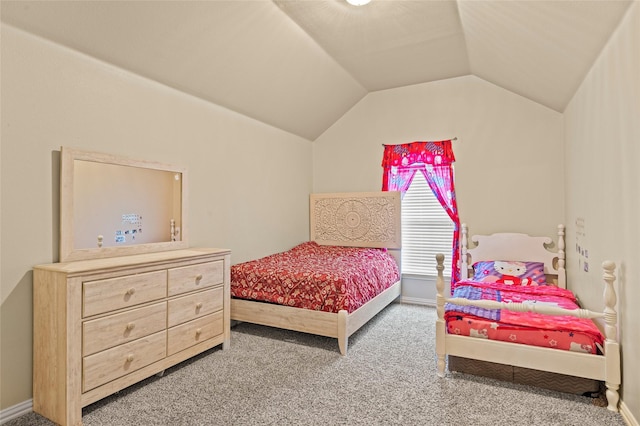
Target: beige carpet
[[277, 377]]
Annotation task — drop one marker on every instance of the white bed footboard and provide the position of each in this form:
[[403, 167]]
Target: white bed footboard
[[526, 307]]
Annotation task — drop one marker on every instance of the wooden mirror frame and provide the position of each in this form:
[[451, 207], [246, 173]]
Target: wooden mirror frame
[[68, 252]]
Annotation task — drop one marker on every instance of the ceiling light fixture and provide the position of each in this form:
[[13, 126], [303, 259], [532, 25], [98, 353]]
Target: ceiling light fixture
[[358, 2]]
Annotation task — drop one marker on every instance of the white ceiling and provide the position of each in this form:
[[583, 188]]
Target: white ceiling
[[299, 65]]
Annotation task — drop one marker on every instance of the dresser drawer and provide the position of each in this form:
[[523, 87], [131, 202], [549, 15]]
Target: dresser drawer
[[194, 332], [108, 365], [195, 277], [114, 330], [187, 308], [116, 293]]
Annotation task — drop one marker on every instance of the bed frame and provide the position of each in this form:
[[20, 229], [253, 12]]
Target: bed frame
[[364, 219], [514, 247]]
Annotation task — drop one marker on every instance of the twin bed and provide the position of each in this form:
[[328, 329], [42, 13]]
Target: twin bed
[[334, 283], [512, 307]]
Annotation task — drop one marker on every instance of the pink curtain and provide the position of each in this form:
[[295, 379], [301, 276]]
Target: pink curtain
[[435, 161]]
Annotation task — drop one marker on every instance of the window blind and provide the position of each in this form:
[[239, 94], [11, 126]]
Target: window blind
[[427, 230]]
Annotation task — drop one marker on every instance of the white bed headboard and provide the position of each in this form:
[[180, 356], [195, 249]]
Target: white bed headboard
[[514, 247], [356, 219]]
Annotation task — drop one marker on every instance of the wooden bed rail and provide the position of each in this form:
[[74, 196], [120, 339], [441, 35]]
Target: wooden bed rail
[[526, 307]]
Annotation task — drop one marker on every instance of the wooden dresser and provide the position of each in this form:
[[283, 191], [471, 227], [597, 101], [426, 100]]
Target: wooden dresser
[[104, 324]]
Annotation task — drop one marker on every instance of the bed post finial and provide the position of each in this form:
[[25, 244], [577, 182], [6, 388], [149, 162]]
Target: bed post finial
[[464, 260], [610, 315], [562, 273]]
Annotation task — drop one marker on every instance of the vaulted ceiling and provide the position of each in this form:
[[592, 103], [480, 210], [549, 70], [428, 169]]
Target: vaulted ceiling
[[300, 65]]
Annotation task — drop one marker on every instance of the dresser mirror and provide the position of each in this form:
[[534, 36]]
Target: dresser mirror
[[116, 206]]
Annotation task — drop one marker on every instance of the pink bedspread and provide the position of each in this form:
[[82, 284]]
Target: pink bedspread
[[311, 276], [560, 332]]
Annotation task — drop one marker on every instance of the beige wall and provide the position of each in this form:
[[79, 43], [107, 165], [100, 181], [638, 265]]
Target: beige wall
[[509, 166], [602, 133], [249, 183]]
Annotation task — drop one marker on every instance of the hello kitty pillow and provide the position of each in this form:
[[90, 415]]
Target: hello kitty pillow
[[510, 272]]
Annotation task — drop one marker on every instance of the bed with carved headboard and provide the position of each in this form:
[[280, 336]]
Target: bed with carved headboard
[[519, 312], [334, 283]]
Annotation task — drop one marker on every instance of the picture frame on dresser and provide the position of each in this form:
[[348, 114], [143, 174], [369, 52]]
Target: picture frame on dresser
[[110, 315]]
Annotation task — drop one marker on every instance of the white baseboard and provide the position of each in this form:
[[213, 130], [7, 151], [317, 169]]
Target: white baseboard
[[627, 416], [16, 411], [417, 301]]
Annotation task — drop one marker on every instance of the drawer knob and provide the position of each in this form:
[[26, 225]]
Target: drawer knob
[[198, 306], [131, 291], [130, 358], [130, 326], [198, 332], [198, 277]]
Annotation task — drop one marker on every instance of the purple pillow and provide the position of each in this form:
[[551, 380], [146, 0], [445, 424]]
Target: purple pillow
[[510, 272]]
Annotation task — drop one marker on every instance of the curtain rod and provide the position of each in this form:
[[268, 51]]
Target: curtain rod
[[454, 139]]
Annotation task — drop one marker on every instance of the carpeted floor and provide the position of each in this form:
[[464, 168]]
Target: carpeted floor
[[278, 377]]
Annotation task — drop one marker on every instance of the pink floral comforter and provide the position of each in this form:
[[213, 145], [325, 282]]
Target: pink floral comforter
[[311, 276], [560, 332]]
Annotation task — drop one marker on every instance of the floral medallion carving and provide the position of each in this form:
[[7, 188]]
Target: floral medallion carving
[[359, 219]]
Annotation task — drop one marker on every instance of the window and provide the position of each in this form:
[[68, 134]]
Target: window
[[401, 163], [426, 230]]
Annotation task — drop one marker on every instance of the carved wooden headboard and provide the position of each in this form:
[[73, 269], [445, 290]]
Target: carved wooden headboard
[[356, 219]]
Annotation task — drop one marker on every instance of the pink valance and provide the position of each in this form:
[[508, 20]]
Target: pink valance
[[407, 154]]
